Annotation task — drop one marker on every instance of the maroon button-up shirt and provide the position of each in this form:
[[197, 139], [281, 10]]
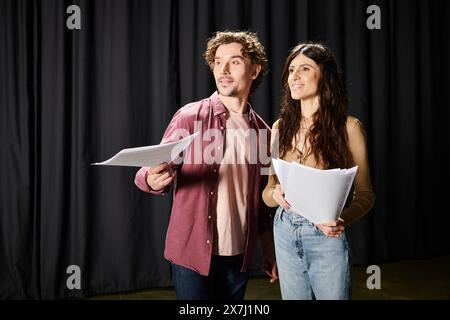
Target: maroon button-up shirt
[[190, 232]]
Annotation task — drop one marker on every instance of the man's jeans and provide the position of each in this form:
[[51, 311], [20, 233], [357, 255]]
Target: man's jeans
[[224, 282], [310, 264]]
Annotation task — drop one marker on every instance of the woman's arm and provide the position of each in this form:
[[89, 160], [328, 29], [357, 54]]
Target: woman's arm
[[363, 196], [272, 181], [267, 194]]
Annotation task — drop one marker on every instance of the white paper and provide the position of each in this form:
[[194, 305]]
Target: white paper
[[318, 195], [149, 156]]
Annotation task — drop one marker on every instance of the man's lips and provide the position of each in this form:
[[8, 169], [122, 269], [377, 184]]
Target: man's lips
[[226, 80]]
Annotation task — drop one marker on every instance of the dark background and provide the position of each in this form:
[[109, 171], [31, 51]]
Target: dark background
[[72, 97]]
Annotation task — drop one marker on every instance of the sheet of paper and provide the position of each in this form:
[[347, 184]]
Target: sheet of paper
[[281, 168], [149, 156], [318, 195]]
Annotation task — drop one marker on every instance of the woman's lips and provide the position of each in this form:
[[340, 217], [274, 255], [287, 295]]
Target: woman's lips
[[297, 86]]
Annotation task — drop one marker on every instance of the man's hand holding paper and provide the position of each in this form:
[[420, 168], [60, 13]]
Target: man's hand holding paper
[[159, 177]]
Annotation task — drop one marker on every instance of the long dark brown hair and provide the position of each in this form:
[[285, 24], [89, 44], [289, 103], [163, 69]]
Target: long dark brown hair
[[327, 135]]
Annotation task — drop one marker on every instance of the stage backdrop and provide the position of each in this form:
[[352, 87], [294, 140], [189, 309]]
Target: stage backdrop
[[72, 97]]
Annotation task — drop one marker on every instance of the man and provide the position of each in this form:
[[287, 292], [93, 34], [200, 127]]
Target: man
[[217, 212]]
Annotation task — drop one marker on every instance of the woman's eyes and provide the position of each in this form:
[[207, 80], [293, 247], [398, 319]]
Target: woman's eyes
[[291, 70]]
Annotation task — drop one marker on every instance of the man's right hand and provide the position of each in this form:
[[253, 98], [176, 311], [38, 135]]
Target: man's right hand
[[158, 178]]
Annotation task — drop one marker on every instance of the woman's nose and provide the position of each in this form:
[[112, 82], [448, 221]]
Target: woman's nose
[[296, 74]]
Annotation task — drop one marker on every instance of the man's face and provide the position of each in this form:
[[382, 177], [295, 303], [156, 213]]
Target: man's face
[[233, 72]]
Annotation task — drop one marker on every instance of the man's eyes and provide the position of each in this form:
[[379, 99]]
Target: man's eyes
[[232, 62]]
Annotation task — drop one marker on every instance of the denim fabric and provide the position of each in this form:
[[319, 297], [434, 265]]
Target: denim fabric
[[224, 282], [310, 264]]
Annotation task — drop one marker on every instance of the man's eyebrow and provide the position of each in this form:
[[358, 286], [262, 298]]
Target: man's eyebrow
[[232, 57]]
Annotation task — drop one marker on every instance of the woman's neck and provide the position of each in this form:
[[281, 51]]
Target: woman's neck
[[309, 107]]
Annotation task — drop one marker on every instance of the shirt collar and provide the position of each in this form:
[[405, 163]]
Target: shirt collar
[[220, 108]]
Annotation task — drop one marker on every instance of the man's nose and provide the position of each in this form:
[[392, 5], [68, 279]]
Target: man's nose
[[225, 68]]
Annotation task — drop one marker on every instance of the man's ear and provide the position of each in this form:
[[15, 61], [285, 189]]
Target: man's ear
[[256, 71]]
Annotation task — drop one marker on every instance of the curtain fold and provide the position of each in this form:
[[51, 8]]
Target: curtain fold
[[69, 98]]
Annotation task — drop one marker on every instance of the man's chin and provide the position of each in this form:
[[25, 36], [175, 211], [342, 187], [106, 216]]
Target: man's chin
[[228, 93]]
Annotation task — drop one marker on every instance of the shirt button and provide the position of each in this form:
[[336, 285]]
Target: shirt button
[[209, 217], [208, 242], [215, 170], [212, 193], [218, 148], [221, 128]]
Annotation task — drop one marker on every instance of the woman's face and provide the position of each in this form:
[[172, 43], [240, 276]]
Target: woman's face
[[303, 79]]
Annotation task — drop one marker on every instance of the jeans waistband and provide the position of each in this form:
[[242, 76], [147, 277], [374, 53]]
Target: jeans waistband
[[294, 217]]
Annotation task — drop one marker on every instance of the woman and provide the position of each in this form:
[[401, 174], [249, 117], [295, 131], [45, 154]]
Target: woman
[[314, 129]]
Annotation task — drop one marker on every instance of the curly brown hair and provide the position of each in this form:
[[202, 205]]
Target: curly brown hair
[[328, 134], [251, 48]]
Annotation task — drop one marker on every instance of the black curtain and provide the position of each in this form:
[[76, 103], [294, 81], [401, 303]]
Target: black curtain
[[72, 97]]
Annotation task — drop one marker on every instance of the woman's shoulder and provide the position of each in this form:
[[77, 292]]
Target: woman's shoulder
[[276, 124], [352, 124], [355, 129]]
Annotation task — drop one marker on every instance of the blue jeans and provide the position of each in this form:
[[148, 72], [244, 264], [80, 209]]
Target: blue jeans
[[310, 264], [224, 282]]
